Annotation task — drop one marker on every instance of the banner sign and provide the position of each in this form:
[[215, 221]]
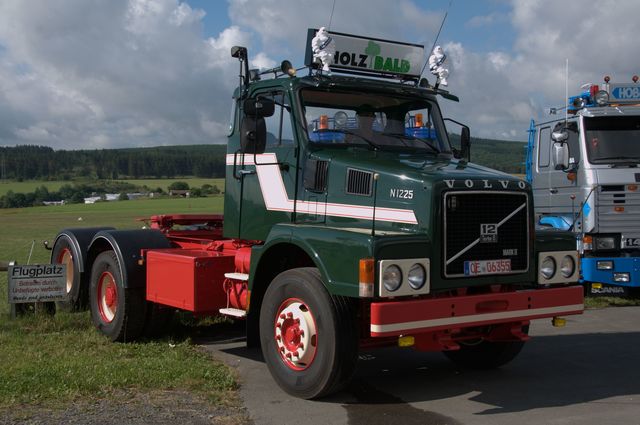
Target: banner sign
[[372, 55], [37, 283], [624, 93]]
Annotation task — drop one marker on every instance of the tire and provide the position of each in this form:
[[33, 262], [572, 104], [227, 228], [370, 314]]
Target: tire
[[309, 338], [63, 253], [486, 354], [116, 311]]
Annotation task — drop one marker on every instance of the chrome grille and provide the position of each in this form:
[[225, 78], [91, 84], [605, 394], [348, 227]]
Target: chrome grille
[[627, 219]]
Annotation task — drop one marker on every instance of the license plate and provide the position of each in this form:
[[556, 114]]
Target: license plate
[[480, 267]]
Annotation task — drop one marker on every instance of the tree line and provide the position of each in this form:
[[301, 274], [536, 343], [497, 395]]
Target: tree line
[[44, 163]]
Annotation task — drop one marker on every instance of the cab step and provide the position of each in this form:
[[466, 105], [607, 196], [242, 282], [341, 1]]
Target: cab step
[[237, 276], [233, 312]]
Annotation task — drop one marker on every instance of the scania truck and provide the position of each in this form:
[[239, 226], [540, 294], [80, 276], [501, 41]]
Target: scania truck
[[336, 236], [585, 177]]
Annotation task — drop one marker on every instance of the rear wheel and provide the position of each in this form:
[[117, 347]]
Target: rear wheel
[[116, 311], [482, 354], [63, 253], [308, 337]]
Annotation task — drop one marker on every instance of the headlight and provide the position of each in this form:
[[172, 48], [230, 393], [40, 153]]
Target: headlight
[[417, 276], [604, 243], [602, 98], [340, 119], [548, 267], [392, 278], [579, 102], [568, 266], [604, 265]]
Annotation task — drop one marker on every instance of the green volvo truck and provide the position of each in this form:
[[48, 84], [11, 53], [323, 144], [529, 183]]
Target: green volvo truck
[[350, 222]]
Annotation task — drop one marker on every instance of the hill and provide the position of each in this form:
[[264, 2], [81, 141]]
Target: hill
[[44, 163]]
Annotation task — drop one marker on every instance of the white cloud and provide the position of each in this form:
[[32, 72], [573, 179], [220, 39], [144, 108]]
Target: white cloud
[[127, 73]]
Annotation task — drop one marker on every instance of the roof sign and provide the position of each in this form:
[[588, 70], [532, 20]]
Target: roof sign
[[365, 55]]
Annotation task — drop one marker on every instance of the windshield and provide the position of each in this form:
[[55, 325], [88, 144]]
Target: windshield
[[374, 120], [613, 139]]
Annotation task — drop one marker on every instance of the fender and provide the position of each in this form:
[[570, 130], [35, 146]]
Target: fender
[[127, 245], [80, 239], [334, 260], [557, 222]]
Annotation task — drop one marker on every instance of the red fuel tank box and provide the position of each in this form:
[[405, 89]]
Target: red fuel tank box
[[188, 279]]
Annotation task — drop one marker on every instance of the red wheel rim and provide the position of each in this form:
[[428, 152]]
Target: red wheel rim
[[66, 257], [296, 334], [107, 297]]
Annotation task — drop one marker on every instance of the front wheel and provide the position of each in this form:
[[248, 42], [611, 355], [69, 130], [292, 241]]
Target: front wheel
[[482, 354], [308, 337], [117, 312]]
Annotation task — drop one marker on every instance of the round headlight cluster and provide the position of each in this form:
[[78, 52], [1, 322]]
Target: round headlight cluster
[[404, 277], [567, 266], [392, 278], [548, 267]]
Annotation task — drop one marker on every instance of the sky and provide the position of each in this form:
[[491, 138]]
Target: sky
[[98, 74]]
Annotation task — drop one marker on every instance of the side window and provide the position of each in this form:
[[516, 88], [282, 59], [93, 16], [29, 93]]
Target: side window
[[279, 129], [574, 143], [544, 148]]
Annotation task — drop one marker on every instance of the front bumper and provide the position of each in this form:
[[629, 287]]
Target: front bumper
[[392, 318], [631, 265]]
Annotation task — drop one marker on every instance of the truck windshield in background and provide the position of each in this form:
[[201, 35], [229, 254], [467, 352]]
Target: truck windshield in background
[[374, 120], [612, 139]]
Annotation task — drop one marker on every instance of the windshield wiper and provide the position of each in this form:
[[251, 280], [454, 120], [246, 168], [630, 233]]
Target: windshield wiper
[[609, 158], [360, 136], [408, 137], [622, 160]]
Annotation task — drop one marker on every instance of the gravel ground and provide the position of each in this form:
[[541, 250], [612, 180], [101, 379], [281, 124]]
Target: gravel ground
[[131, 407]]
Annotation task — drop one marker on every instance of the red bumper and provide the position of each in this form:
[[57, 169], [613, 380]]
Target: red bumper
[[389, 318]]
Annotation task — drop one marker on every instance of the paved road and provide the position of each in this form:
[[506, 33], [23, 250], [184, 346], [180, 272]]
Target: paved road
[[586, 373]]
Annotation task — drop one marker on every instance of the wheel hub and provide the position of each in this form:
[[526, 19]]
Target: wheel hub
[[295, 334], [66, 258], [107, 297]]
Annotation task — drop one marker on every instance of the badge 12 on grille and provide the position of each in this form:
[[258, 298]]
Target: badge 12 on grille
[[474, 268], [488, 233]]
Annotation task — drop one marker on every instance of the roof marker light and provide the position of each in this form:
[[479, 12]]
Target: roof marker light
[[607, 79], [634, 78]]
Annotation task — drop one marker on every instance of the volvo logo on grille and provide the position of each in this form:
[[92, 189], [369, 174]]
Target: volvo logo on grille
[[488, 233]]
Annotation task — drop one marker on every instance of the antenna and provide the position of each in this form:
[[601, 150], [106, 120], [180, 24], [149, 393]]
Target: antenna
[[437, 36], [566, 91], [331, 17]]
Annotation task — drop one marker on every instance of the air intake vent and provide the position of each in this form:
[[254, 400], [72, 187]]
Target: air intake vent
[[359, 182], [315, 175]]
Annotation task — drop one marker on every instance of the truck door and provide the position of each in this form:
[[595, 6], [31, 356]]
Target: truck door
[[560, 187], [540, 170], [268, 189]]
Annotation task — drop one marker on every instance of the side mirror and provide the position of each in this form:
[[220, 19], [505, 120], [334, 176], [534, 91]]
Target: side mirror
[[258, 107], [561, 155], [559, 136], [465, 143]]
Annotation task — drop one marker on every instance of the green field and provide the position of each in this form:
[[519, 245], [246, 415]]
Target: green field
[[45, 360], [31, 185]]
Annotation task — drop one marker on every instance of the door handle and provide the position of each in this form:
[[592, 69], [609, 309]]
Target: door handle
[[553, 190]]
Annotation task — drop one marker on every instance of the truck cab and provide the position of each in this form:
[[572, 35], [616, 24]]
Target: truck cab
[[584, 173]]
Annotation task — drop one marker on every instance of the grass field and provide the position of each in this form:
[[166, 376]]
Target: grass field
[[47, 360], [31, 185]]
